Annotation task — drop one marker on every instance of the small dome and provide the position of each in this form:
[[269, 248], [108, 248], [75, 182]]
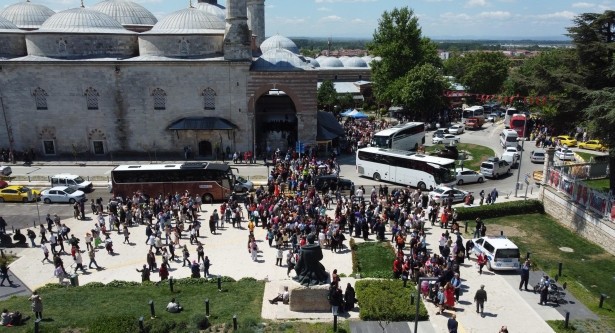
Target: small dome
[[83, 20], [279, 59], [126, 12], [26, 15], [354, 62], [279, 42], [189, 20], [7, 25], [331, 62], [367, 59], [212, 9], [312, 61]]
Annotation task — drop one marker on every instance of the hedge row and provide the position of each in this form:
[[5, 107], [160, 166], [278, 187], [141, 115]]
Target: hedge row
[[500, 210], [121, 284], [387, 300], [124, 323]]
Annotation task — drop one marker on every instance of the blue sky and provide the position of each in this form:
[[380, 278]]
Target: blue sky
[[504, 19]]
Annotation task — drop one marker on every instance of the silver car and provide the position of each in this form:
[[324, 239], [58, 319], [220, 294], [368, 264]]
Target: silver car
[[537, 156], [63, 194], [243, 185]]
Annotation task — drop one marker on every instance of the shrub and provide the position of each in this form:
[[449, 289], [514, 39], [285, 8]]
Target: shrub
[[387, 300], [200, 321], [373, 260], [500, 209], [94, 285], [112, 324]]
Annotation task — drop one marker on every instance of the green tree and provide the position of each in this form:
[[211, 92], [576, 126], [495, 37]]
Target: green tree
[[327, 95], [480, 72], [345, 101], [422, 91], [398, 41]]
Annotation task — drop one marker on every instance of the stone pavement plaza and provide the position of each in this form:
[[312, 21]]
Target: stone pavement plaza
[[229, 256]]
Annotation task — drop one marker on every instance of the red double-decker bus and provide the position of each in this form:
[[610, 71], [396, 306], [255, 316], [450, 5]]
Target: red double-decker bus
[[211, 181]]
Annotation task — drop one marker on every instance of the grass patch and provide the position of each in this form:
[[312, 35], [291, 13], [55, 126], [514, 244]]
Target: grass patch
[[588, 271], [579, 326], [373, 260], [387, 300], [102, 308], [585, 156], [343, 326], [478, 153], [602, 185]]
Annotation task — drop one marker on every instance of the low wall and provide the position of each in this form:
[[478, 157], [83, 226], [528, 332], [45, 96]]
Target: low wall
[[578, 219]]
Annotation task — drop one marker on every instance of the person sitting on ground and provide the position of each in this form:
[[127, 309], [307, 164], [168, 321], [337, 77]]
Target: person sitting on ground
[[283, 297], [174, 306], [6, 318]]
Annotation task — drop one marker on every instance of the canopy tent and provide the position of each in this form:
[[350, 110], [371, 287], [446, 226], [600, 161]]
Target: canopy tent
[[328, 127], [356, 114], [345, 113]]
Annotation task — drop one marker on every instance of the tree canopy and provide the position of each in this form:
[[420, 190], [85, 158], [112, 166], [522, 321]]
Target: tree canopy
[[480, 72], [399, 42], [327, 95]]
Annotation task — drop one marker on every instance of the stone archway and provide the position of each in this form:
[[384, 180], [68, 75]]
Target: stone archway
[[205, 149]]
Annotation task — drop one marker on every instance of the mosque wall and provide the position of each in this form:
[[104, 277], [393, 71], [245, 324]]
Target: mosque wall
[[68, 45], [118, 104], [180, 45], [12, 45]]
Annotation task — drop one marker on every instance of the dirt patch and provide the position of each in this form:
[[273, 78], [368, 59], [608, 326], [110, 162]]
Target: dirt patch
[[496, 229]]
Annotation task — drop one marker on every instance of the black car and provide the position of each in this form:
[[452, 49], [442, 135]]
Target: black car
[[325, 183]]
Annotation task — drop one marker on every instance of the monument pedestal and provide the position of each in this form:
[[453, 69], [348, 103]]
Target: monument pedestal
[[309, 299]]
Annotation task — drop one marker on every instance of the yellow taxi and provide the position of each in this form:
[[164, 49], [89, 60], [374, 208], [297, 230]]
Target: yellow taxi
[[567, 140], [19, 194], [593, 145]]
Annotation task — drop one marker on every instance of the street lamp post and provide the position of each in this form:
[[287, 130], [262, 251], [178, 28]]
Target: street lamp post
[[520, 157]]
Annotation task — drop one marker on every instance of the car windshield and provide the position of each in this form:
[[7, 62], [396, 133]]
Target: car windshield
[[69, 190], [79, 180], [24, 189], [241, 179], [487, 165]]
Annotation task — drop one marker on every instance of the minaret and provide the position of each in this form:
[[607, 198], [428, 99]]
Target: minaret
[[237, 39], [256, 19]]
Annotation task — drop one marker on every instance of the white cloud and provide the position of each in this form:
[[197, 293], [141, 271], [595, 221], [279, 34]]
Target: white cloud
[[455, 16], [331, 18], [476, 3], [583, 5], [358, 21], [562, 15], [500, 15], [323, 9], [336, 1]]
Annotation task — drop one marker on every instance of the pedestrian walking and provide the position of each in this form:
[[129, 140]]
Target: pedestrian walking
[[525, 274], [145, 272], [279, 257], [186, 256], [206, 265], [45, 253], [494, 195], [480, 298], [4, 274], [452, 324], [43, 232], [126, 234], [92, 256], [78, 262], [481, 261]]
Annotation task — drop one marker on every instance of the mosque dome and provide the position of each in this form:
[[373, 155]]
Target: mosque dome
[[330, 62], [279, 42], [354, 62], [26, 15], [367, 59], [82, 20], [312, 61], [211, 8], [279, 59], [127, 13], [189, 21], [6, 25]]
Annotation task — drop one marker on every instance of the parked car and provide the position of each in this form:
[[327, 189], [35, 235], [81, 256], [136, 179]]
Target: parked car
[[19, 194], [5, 170], [511, 155], [465, 176], [500, 252], [456, 129], [564, 154], [567, 140], [243, 185], [593, 145], [440, 132], [62, 194], [494, 167], [538, 156], [440, 194], [493, 117], [3, 184], [447, 139]]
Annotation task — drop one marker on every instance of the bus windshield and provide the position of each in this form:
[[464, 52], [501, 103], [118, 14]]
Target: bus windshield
[[518, 123], [445, 174]]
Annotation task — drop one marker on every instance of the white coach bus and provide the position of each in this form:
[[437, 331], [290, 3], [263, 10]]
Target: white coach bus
[[406, 168], [407, 136]]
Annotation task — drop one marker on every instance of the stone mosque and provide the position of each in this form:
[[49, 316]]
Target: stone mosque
[[113, 79]]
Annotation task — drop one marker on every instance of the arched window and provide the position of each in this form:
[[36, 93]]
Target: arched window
[[160, 99], [40, 98], [61, 46], [91, 98], [209, 99], [184, 47]]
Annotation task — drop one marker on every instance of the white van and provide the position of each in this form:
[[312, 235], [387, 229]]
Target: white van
[[508, 138], [65, 179], [501, 253]]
